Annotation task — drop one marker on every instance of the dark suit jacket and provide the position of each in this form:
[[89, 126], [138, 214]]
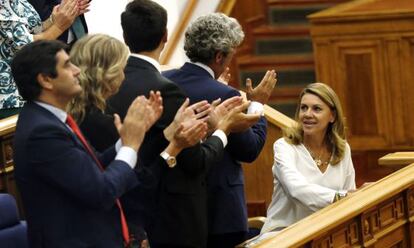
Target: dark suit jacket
[[45, 7], [68, 201], [179, 216], [226, 200]]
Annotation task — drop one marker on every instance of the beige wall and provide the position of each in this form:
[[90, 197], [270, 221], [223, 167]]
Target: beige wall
[[104, 17]]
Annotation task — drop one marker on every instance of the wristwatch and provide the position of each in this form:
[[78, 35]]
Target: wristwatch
[[339, 195], [170, 160]]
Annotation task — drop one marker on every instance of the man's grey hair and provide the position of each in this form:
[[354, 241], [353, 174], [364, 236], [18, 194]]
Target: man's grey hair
[[210, 34]]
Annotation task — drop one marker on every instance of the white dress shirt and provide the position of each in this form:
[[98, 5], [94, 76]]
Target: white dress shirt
[[124, 153], [300, 188]]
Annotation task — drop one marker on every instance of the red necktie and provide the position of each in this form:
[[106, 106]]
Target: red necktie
[[72, 124]]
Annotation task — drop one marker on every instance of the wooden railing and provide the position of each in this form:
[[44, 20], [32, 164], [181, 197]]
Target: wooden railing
[[397, 160], [7, 128], [7, 181], [379, 215]]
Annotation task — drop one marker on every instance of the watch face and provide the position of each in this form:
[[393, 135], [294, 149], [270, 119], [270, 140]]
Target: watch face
[[171, 162], [342, 195]]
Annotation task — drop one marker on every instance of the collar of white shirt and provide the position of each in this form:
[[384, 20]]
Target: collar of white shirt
[[205, 67], [150, 60], [60, 114]]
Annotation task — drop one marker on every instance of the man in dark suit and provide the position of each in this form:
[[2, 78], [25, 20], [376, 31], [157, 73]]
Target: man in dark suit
[[78, 29], [210, 43], [178, 219], [70, 193]]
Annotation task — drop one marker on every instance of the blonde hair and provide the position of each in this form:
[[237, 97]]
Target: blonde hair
[[101, 59], [335, 134]]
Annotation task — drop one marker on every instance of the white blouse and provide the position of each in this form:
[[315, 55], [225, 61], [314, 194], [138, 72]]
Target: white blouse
[[300, 188]]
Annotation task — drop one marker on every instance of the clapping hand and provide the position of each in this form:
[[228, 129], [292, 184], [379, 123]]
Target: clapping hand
[[225, 76], [236, 120], [188, 127], [220, 109], [65, 13], [83, 6], [187, 116], [141, 115], [155, 108], [262, 92]]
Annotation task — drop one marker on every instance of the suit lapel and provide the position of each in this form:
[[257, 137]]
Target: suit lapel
[[46, 113]]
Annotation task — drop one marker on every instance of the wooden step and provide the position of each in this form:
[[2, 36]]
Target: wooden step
[[267, 31], [254, 61], [286, 107], [296, 14], [302, 2], [283, 45], [286, 77]]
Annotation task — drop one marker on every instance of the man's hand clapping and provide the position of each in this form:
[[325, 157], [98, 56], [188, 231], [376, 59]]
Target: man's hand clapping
[[236, 120], [141, 115], [262, 92]]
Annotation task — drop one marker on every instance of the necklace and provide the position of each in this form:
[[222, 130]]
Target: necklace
[[318, 159], [319, 162]]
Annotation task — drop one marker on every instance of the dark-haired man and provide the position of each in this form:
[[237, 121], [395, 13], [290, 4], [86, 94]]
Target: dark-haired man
[[178, 215], [70, 193]]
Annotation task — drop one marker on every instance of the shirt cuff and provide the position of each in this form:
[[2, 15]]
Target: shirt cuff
[[255, 108], [118, 145], [221, 135], [128, 155], [31, 38]]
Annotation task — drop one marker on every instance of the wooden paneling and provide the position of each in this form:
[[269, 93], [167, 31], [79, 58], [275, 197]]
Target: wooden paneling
[[406, 55], [364, 51], [359, 77], [7, 181]]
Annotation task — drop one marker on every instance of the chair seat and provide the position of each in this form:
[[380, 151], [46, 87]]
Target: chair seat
[[13, 232]]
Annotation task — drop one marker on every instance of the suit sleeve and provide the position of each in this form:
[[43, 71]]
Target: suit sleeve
[[107, 156], [201, 156], [70, 168]]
